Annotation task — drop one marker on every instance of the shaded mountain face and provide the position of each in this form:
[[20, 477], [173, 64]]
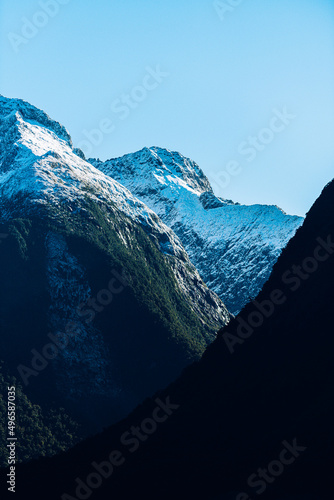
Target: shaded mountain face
[[233, 246], [253, 417], [100, 305]]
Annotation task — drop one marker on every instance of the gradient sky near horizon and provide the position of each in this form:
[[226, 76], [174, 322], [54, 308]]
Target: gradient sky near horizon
[[227, 72]]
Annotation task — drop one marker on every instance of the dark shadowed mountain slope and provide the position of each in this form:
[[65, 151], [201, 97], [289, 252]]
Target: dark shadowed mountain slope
[[234, 412], [100, 305]]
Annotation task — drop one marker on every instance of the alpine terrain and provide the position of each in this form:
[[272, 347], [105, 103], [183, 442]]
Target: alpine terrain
[[252, 419], [100, 305], [233, 246]]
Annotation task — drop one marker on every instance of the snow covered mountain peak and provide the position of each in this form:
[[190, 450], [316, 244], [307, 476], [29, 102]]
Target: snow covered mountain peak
[[41, 174], [15, 108], [161, 175], [175, 164], [233, 246], [161, 168], [38, 163]]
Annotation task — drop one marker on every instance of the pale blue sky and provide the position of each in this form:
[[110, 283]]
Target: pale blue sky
[[226, 75]]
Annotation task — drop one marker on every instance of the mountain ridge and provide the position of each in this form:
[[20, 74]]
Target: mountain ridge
[[231, 415], [233, 246], [55, 172], [69, 227]]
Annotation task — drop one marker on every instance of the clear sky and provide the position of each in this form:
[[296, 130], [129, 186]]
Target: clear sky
[[210, 80]]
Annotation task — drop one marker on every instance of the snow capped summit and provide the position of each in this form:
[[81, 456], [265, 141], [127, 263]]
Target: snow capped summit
[[233, 246], [38, 161], [70, 231], [31, 114], [167, 167], [160, 176], [40, 168]]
